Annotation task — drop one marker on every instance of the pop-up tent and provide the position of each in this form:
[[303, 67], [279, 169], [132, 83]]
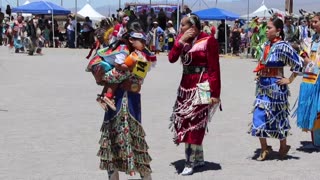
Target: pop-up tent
[[42, 7], [263, 11], [217, 14], [88, 10]]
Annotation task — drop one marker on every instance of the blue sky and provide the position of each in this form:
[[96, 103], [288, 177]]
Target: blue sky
[[237, 6]]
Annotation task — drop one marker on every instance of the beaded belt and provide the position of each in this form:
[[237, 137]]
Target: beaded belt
[[194, 69], [271, 72]]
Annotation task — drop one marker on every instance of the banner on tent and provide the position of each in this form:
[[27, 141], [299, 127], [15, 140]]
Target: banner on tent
[[168, 9]]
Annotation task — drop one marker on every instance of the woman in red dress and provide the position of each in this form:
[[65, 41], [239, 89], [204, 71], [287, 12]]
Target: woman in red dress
[[200, 59]]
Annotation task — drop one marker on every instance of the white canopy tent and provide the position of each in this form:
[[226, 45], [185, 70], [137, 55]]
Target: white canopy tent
[[263, 11], [88, 10]]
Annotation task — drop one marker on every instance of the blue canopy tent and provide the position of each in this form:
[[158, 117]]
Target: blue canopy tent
[[42, 7], [217, 14]]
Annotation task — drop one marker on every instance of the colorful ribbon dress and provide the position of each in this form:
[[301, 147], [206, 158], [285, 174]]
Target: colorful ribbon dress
[[271, 107]]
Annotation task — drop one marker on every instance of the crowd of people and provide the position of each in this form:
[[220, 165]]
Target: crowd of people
[[276, 43], [124, 49]]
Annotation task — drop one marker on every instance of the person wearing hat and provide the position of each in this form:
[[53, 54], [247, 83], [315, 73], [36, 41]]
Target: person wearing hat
[[170, 34], [155, 34]]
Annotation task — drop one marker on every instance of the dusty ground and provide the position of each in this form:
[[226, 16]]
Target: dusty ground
[[49, 123]]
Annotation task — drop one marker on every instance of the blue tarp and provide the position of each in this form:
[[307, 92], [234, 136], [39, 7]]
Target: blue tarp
[[41, 7], [216, 14]]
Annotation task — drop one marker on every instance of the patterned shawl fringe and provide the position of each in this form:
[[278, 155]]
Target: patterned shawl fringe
[[188, 108], [202, 124], [276, 134], [282, 51], [121, 165], [273, 91], [273, 106], [280, 116], [122, 144]]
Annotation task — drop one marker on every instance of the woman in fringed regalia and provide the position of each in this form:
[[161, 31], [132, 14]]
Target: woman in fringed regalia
[[308, 112], [271, 107], [122, 144], [200, 58]]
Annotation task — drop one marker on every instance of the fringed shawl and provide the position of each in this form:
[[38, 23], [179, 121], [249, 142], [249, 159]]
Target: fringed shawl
[[282, 52]]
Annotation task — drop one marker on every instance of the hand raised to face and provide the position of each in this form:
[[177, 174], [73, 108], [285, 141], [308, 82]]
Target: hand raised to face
[[188, 34]]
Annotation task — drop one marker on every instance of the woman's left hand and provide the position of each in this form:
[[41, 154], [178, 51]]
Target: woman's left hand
[[283, 81], [215, 100]]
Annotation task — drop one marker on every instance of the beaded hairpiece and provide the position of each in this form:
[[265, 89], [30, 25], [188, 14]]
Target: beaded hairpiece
[[192, 21]]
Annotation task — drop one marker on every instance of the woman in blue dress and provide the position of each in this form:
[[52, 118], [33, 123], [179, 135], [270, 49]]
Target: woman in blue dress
[[308, 111], [271, 107]]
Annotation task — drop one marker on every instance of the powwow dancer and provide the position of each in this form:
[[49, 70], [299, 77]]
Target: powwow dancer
[[271, 107], [308, 111], [122, 144], [102, 35], [200, 58]]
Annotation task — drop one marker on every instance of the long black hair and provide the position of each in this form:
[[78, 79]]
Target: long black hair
[[278, 23]]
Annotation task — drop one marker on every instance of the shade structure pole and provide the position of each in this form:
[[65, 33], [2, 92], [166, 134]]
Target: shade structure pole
[[248, 19], [178, 15], [53, 36], [225, 37], [119, 4], [61, 3], [76, 28]]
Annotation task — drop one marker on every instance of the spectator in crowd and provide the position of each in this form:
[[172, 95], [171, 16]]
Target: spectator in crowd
[[162, 19], [289, 29], [206, 28], [186, 10], [235, 38], [151, 18], [171, 34], [213, 30], [87, 30], [1, 26], [71, 31], [144, 19], [155, 34], [222, 28]]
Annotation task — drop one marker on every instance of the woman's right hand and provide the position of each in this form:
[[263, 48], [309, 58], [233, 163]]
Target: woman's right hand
[[190, 33]]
